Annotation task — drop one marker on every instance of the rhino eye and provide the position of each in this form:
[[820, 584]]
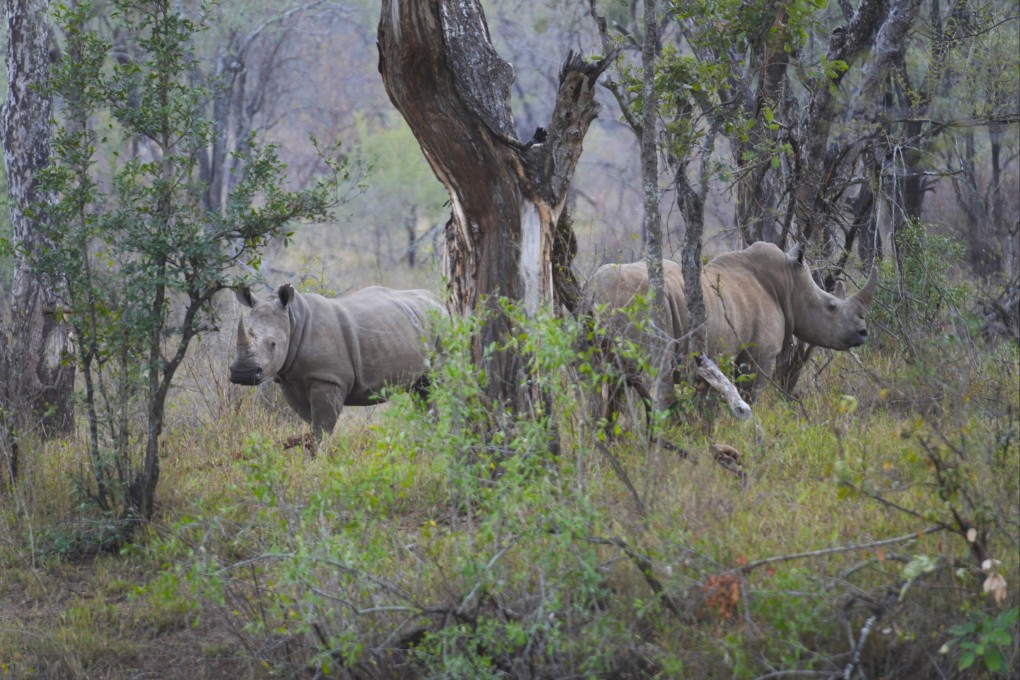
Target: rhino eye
[[833, 306], [272, 345]]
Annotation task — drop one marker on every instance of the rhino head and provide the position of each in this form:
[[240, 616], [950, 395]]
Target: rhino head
[[263, 342], [826, 319]]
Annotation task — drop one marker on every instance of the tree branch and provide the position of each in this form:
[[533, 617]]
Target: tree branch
[[750, 566]]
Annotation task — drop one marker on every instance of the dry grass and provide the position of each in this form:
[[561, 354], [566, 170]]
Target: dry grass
[[388, 493]]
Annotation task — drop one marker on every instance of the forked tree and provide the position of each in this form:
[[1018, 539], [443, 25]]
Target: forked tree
[[502, 240]]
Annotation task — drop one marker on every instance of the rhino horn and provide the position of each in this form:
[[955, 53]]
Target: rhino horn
[[242, 335], [866, 294]]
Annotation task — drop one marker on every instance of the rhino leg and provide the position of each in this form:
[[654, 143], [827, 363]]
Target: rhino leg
[[327, 401], [763, 367], [607, 405]]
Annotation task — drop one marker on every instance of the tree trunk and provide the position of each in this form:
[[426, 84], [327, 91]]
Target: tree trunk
[[44, 380], [757, 200], [692, 206], [443, 75], [662, 352], [873, 23]]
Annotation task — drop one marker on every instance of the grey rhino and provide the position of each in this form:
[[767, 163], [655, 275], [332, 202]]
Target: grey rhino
[[330, 352], [756, 301]]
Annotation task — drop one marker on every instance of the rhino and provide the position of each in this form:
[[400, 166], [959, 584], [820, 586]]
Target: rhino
[[327, 353], [756, 301]]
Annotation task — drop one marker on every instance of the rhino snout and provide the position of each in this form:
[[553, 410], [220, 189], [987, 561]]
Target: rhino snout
[[246, 376], [860, 338]]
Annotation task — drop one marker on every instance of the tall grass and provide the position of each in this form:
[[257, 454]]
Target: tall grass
[[453, 542]]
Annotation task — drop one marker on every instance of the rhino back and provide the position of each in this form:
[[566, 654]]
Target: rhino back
[[618, 285], [743, 300], [368, 340]]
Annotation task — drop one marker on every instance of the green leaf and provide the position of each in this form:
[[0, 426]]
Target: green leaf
[[993, 660], [999, 637]]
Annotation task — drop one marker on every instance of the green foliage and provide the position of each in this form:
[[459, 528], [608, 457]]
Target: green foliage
[[452, 540], [988, 639], [354, 594], [727, 24], [142, 263], [788, 606], [917, 291]]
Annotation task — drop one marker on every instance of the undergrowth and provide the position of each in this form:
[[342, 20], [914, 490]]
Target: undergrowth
[[873, 532]]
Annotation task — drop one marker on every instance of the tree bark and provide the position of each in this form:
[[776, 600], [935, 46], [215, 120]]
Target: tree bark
[[757, 200], [662, 352], [872, 23], [443, 75], [43, 382]]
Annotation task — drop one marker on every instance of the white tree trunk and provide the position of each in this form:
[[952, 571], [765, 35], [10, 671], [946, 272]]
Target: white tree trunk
[[39, 340]]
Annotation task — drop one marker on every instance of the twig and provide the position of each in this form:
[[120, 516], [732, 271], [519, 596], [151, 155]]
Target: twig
[[644, 565], [891, 598], [795, 674], [747, 568], [897, 506], [488, 567], [622, 474]]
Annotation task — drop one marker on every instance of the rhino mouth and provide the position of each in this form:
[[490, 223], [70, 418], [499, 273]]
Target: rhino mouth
[[247, 376], [859, 338]]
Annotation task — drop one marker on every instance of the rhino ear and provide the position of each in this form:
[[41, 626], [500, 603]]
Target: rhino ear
[[286, 294], [244, 296], [797, 253], [839, 290]]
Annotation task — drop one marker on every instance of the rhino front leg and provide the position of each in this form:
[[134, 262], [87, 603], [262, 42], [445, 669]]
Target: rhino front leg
[[327, 401], [763, 367]]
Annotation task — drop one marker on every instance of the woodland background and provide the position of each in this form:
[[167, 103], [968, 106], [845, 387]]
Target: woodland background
[[871, 528]]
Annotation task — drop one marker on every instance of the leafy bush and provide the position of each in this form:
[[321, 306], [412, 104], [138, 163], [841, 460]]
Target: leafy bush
[[917, 291], [141, 262], [455, 542], [986, 638]]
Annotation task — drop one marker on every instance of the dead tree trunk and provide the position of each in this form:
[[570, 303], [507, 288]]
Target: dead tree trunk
[[446, 79], [43, 380]]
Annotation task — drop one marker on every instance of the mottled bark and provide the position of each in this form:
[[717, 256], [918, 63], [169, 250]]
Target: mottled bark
[[692, 206], [42, 381], [757, 202], [443, 75], [846, 43], [663, 355]]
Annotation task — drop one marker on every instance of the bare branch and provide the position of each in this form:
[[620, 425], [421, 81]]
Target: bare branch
[[750, 566]]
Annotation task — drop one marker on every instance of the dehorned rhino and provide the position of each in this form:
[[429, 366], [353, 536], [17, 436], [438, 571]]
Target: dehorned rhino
[[330, 352]]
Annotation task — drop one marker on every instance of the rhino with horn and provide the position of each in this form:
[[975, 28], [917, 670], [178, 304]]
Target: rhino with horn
[[756, 301], [326, 353]]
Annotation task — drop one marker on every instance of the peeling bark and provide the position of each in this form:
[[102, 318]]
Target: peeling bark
[[443, 75]]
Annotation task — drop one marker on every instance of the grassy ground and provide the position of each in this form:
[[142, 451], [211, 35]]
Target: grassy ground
[[410, 546]]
